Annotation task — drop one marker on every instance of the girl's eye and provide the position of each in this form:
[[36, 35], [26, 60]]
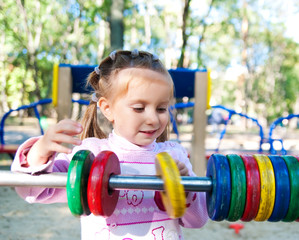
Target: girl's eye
[[138, 109], [161, 110]]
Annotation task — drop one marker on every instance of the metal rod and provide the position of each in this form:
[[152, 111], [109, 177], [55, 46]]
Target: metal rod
[[50, 180], [191, 184], [116, 182]]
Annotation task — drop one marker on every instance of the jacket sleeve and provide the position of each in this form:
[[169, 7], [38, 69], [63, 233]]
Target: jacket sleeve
[[196, 211], [57, 163]]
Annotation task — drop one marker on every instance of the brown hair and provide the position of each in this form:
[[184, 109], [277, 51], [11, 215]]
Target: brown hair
[[103, 85]]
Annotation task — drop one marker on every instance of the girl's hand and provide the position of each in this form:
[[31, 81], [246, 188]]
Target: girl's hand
[[51, 142], [182, 168], [183, 171]]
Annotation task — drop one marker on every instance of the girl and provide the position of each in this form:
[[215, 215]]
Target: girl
[[133, 91]]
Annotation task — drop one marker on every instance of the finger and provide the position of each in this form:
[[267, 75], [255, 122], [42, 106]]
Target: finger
[[184, 172], [177, 161], [63, 138], [68, 127], [60, 148], [180, 165], [182, 168]]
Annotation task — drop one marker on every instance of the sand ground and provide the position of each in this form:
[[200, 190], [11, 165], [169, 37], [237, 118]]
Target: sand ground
[[22, 221]]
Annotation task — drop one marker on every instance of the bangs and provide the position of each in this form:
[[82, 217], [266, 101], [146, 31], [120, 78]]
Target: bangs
[[122, 84]]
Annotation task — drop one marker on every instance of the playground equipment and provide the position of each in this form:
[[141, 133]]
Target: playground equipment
[[271, 129], [230, 112], [11, 149], [239, 187]]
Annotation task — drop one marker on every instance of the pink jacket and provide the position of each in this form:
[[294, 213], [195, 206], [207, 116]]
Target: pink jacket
[[136, 215]]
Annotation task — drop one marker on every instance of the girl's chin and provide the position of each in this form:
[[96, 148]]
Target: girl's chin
[[145, 142]]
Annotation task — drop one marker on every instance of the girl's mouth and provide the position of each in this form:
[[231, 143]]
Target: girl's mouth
[[148, 132]]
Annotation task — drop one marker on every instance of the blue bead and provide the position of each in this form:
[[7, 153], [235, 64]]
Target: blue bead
[[282, 188], [218, 200]]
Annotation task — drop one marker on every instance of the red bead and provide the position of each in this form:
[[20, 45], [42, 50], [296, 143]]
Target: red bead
[[253, 183], [102, 200]]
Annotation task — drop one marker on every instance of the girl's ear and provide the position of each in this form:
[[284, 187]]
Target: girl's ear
[[105, 107]]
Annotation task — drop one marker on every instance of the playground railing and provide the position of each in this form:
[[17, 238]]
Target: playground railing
[[32, 105], [81, 101], [11, 149], [231, 112], [272, 140]]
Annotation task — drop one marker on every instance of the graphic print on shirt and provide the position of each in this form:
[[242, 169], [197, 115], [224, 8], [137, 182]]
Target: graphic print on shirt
[[134, 197], [192, 200], [122, 193], [158, 233]]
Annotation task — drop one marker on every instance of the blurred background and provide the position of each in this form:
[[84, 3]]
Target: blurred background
[[250, 47]]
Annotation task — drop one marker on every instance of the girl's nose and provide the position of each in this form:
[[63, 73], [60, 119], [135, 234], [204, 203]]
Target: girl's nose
[[152, 118]]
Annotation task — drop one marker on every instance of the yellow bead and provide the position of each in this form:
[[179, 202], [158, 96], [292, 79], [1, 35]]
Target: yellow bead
[[267, 187], [173, 196]]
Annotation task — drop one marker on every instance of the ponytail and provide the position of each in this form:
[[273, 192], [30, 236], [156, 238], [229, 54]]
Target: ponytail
[[90, 123]]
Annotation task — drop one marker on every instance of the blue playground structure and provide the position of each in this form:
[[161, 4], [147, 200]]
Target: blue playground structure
[[271, 129], [32, 105], [231, 112], [183, 79]]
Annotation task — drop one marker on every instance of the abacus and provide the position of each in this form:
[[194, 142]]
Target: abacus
[[238, 187]]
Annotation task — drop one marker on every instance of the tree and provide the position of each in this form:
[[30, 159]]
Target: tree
[[270, 84], [204, 34], [26, 35], [54, 31]]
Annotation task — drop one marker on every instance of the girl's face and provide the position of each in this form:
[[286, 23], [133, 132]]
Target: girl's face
[[141, 114]]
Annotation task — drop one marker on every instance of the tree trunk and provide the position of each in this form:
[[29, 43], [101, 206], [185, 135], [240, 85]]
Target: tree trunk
[[117, 24], [184, 34]]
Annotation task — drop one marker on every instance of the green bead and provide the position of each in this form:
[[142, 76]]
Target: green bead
[[293, 168], [238, 187], [77, 180]]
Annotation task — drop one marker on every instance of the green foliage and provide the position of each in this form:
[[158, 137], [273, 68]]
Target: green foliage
[[38, 33], [43, 33]]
